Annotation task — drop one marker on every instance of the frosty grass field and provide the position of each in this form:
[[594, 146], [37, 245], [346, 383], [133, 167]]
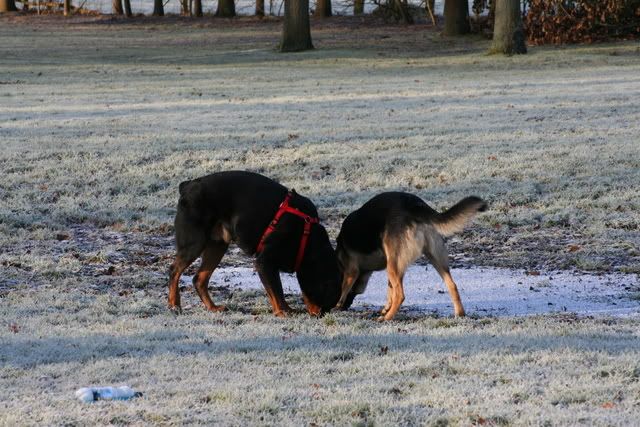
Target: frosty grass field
[[100, 120]]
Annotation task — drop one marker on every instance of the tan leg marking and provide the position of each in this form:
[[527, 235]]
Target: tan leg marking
[[178, 266], [453, 293], [397, 292], [348, 280], [387, 306], [210, 259], [312, 309]]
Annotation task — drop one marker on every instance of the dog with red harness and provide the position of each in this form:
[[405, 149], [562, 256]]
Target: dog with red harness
[[279, 227]]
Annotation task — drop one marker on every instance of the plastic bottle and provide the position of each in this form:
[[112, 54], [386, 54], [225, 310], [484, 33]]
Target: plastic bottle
[[90, 394]]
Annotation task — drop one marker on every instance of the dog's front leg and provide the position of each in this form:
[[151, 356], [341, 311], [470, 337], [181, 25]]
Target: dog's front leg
[[270, 278], [348, 280], [312, 309], [387, 306]]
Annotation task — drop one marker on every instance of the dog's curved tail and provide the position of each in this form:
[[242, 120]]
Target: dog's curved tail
[[458, 216]]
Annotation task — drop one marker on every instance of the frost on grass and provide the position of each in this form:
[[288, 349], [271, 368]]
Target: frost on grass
[[239, 368], [99, 123], [92, 136]]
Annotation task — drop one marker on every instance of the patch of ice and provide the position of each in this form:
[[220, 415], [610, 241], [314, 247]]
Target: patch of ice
[[484, 291]]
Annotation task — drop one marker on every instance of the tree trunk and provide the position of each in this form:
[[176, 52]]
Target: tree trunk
[[226, 8], [197, 8], [117, 7], [358, 7], [127, 8], [323, 9], [67, 7], [508, 35], [401, 10], [158, 8], [296, 31], [8, 6], [456, 17], [259, 7]]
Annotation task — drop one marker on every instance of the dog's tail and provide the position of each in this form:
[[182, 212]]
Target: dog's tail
[[455, 219], [190, 197]]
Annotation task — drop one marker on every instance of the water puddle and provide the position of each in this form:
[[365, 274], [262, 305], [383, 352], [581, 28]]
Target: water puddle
[[484, 291]]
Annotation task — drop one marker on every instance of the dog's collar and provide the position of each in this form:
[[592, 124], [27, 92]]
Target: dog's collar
[[308, 222]]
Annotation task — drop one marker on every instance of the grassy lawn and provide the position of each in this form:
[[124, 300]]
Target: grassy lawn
[[247, 367], [100, 120]]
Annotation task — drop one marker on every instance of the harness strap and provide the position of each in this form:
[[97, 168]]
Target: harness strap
[[308, 222]]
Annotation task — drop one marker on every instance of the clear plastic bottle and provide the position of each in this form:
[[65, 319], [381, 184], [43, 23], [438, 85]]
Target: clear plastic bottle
[[90, 394]]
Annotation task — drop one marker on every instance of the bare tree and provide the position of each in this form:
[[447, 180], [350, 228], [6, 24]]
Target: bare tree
[[358, 7], [456, 17], [401, 10], [127, 8], [296, 31], [259, 7], [8, 6], [323, 9], [117, 7], [508, 35], [158, 8], [66, 7], [226, 8], [197, 8]]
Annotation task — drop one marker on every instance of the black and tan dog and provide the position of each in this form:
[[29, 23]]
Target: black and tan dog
[[239, 207], [391, 231]]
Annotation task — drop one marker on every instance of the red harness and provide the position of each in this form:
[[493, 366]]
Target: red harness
[[308, 221]]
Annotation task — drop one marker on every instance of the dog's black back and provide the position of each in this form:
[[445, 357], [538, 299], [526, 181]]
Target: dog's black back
[[238, 206]]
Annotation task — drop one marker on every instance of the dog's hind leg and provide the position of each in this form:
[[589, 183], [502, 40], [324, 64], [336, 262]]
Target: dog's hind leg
[[184, 258], [211, 257], [270, 278], [401, 248], [396, 291], [436, 252]]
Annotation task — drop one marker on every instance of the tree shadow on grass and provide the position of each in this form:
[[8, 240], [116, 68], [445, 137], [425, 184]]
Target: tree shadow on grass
[[25, 352]]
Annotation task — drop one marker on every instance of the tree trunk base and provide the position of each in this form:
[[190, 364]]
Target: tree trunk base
[[295, 46], [508, 35], [456, 18], [517, 46]]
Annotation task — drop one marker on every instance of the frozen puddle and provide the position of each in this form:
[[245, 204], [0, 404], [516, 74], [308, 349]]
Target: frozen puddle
[[484, 291]]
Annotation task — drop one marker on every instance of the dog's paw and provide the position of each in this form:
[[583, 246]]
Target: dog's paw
[[175, 309], [217, 308], [459, 313]]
